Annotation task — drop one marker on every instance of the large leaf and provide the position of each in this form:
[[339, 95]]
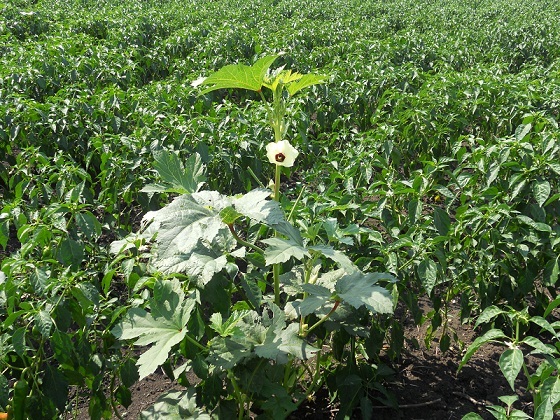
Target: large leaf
[[337, 256], [176, 405], [281, 343], [239, 76], [179, 178], [258, 206], [281, 250], [163, 328], [359, 289], [191, 224]]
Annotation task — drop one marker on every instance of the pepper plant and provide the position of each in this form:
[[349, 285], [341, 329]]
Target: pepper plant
[[264, 314]]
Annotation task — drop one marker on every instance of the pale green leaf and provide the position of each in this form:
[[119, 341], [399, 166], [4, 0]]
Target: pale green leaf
[[44, 323], [545, 410], [539, 346], [359, 289], [176, 405], [281, 250], [88, 224], [258, 206], [543, 323], [522, 130], [183, 179], [279, 344], [542, 227], [337, 256], [550, 389], [163, 328]]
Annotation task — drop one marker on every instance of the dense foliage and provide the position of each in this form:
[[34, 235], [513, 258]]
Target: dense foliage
[[431, 154]]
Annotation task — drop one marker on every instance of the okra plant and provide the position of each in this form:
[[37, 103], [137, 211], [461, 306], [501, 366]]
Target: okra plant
[[263, 314]]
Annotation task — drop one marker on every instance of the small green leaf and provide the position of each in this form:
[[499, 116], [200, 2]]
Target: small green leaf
[[550, 390], [490, 335], [39, 280], [88, 224], [541, 227], [545, 410], [239, 76], [70, 252], [44, 323], [229, 327], [442, 221], [543, 323], [511, 362], [539, 346], [337, 256], [551, 272], [258, 206], [472, 416], [427, 271], [508, 400], [280, 343], [488, 315], [129, 373], [179, 178], [541, 191], [55, 386], [4, 233], [522, 130], [18, 341], [414, 210], [229, 215]]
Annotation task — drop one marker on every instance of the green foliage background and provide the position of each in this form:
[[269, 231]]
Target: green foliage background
[[432, 152]]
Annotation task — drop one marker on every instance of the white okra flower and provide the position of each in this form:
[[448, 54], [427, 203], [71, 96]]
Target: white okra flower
[[281, 153]]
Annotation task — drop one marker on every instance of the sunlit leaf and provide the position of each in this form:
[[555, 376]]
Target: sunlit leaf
[[510, 363], [163, 328], [281, 250], [239, 76], [359, 289]]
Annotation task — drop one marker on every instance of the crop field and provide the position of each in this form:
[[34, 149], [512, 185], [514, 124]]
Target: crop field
[[251, 197]]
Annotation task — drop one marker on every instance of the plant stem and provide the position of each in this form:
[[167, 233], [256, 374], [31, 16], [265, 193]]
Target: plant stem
[[238, 394], [327, 316], [276, 267], [241, 241], [113, 402], [193, 341]]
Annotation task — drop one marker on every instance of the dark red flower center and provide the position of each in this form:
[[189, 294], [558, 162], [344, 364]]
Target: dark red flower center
[[280, 157]]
